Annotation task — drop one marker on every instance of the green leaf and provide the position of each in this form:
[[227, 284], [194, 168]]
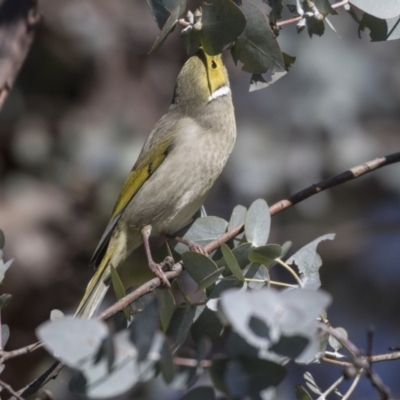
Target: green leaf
[[210, 279], [222, 23], [258, 223], [265, 255], [4, 266], [95, 380], [167, 363], [257, 47], [198, 265], [74, 341], [200, 393], [119, 289], [380, 29], [217, 373], [325, 7], [238, 217], [315, 27], [257, 271], [192, 42], [309, 262], [302, 394], [5, 300], [143, 328], [166, 305], [202, 231], [380, 9], [180, 324], [169, 25], [333, 342], [5, 335], [117, 284], [207, 325], [276, 10], [162, 9], [231, 262], [249, 376]]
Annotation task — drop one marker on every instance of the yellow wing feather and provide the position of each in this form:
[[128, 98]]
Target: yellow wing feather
[[146, 165]]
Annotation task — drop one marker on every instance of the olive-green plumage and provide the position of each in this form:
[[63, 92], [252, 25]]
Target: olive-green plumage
[[179, 163]]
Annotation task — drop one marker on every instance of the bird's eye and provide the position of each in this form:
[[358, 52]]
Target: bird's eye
[[213, 64]]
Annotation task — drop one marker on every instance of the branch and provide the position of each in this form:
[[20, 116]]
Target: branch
[[10, 390], [297, 19], [18, 22], [360, 362], [345, 176]]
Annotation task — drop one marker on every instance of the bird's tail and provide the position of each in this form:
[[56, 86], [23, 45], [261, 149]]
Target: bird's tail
[[96, 289]]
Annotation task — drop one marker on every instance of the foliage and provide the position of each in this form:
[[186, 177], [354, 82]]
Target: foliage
[[250, 33], [261, 328]]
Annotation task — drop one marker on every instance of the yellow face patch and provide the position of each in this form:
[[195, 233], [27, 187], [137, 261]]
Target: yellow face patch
[[216, 73]]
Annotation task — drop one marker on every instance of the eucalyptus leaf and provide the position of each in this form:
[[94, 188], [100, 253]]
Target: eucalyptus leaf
[[380, 9], [167, 363], [241, 254], [143, 329], [276, 10], [207, 325], [222, 23], [257, 272], [200, 393], [5, 335], [217, 373], [98, 381], [231, 262], [302, 394], [56, 314], [265, 255], [309, 262], [180, 325], [257, 48], [166, 304], [202, 231], [4, 266], [169, 25], [249, 376], [333, 342], [380, 29], [5, 299], [198, 265], [238, 217], [162, 9], [117, 284], [210, 279], [258, 223], [74, 341]]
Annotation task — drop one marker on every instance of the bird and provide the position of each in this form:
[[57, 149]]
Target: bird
[[179, 163]]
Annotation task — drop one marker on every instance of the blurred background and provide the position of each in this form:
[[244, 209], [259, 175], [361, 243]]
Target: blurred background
[[88, 96]]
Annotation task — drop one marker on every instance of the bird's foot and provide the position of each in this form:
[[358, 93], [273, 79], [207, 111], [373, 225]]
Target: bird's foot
[[159, 273], [197, 248]]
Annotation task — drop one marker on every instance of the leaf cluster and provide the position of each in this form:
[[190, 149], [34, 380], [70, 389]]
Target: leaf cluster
[[250, 33], [259, 328]]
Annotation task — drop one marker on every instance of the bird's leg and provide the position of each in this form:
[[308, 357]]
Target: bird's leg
[[192, 245], [155, 268]]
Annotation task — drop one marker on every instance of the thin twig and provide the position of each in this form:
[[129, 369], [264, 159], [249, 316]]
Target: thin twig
[[345, 176], [7, 355], [296, 19], [10, 390], [353, 385]]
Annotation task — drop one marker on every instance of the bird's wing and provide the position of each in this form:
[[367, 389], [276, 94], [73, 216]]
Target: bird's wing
[[147, 163]]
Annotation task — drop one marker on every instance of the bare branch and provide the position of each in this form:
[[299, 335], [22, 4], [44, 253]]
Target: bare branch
[[345, 176]]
